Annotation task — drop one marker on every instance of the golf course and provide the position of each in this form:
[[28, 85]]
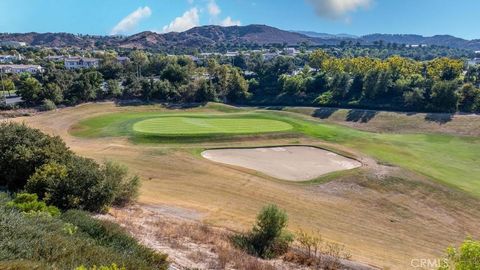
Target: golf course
[[428, 154], [388, 196]]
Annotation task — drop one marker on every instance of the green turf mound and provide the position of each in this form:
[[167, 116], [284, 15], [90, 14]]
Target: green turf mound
[[205, 126]]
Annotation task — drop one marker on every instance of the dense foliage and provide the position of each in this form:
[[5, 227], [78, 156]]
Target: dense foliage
[[43, 165], [71, 240], [268, 238]]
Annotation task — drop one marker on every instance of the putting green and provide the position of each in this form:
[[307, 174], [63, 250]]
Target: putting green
[[204, 126]]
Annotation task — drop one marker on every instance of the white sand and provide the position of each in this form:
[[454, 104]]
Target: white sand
[[294, 163]]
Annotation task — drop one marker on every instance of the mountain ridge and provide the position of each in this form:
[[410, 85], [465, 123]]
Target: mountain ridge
[[209, 36]]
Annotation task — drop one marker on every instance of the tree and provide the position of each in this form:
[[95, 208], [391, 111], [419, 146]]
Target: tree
[[86, 87], [237, 87], [52, 92], [469, 98], [113, 88], [30, 90], [7, 85], [444, 96]]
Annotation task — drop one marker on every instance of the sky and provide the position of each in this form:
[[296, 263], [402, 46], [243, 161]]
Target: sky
[[123, 17]]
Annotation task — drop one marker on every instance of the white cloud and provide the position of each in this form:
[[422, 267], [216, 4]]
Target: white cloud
[[229, 22], [213, 8], [336, 9], [131, 21], [188, 20]]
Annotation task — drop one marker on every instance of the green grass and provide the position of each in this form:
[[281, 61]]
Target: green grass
[[197, 125], [451, 160]]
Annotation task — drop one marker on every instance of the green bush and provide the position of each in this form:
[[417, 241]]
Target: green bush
[[83, 184], [467, 257], [29, 204], [23, 150], [41, 242], [43, 165], [268, 238], [48, 105]]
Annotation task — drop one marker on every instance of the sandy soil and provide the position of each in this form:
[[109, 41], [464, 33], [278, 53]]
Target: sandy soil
[[294, 163]]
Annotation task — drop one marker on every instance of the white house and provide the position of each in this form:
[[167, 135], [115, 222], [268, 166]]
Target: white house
[[291, 51], [16, 69], [474, 61], [10, 58], [11, 43], [55, 58], [81, 62]]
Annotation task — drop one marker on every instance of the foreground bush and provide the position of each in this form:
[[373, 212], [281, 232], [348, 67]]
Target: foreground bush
[[43, 242], [29, 204], [43, 165], [466, 257], [267, 239], [23, 150]]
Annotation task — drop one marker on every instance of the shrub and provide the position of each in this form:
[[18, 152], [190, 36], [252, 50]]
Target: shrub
[[466, 257], [29, 204], [83, 184], [111, 267], [111, 235], [124, 187], [48, 105], [267, 238], [23, 150], [40, 242]]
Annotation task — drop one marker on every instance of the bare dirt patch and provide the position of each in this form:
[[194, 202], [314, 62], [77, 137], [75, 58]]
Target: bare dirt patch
[[293, 163]]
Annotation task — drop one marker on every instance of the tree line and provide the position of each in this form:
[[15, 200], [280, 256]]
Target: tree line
[[320, 79]]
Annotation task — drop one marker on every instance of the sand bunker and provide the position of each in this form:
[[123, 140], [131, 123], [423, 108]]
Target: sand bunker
[[294, 163]]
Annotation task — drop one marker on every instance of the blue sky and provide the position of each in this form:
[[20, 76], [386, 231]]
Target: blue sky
[[427, 17]]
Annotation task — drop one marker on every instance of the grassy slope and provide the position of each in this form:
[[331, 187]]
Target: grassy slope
[[452, 160]]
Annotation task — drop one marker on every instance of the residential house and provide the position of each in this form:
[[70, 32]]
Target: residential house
[[81, 62], [16, 69], [13, 44], [123, 60], [10, 58], [55, 58]]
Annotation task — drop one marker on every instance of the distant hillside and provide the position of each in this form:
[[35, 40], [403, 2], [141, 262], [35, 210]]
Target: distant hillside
[[438, 40], [227, 37], [326, 35]]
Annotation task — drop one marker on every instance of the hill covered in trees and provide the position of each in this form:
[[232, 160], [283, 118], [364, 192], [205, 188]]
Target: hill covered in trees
[[210, 36]]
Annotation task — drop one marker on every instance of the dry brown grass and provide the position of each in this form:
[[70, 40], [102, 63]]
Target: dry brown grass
[[397, 122], [384, 216]]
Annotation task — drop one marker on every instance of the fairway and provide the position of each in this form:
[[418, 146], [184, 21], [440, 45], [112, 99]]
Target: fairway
[[204, 126]]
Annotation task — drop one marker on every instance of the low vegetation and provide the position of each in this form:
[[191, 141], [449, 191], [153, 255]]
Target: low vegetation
[[466, 257], [31, 240]]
